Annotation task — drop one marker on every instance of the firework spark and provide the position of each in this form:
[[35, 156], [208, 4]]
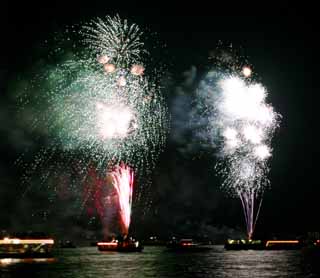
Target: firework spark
[[242, 124]]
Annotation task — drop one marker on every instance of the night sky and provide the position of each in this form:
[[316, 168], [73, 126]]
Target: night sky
[[186, 192]]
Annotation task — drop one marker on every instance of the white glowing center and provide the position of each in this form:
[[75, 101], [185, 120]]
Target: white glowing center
[[245, 102], [230, 133], [253, 134], [115, 121], [262, 152]]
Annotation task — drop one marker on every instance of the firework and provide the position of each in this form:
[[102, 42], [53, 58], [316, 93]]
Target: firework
[[110, 195], [100, 106], [241, 124], [122, 180], [104, 108]]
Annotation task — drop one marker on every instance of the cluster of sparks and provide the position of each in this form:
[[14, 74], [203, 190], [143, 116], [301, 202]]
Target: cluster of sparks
[[100, 104], [241, 123]]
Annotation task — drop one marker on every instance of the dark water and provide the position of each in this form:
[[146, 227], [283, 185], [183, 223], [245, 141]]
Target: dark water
[[157, 262]]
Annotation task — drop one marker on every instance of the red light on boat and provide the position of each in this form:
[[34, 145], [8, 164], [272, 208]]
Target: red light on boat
[[186, 244]]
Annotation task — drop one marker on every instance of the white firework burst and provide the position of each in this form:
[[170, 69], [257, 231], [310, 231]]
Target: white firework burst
[[242, 124]]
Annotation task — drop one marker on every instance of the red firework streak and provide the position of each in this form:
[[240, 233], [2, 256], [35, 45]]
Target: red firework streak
[[100, 197], [122, 180]]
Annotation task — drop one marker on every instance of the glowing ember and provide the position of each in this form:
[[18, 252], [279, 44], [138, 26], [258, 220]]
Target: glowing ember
[[109, 68], [246, 71], [137, 70], [104, 59]]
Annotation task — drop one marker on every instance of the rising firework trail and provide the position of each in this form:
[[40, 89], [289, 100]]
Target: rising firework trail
[[98, 107], [110, 195], [122, 180], [241, 124]]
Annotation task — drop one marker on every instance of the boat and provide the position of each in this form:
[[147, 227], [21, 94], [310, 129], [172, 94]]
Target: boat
[[26, 247], [186, 245], [283, 245], [120, 245], [244, 244], [248, 244]]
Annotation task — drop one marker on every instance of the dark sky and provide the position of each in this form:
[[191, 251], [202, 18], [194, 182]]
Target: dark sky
[[284, 52]]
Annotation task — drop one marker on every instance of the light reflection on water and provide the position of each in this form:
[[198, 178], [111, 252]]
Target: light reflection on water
[[10, 261], [158, 262]]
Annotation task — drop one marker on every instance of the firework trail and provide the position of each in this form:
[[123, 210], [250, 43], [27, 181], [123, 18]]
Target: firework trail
[[99, 105], [241, 124], [110, 195], [122, 180]]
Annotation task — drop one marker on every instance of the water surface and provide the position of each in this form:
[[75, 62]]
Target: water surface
[[158, 262]]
